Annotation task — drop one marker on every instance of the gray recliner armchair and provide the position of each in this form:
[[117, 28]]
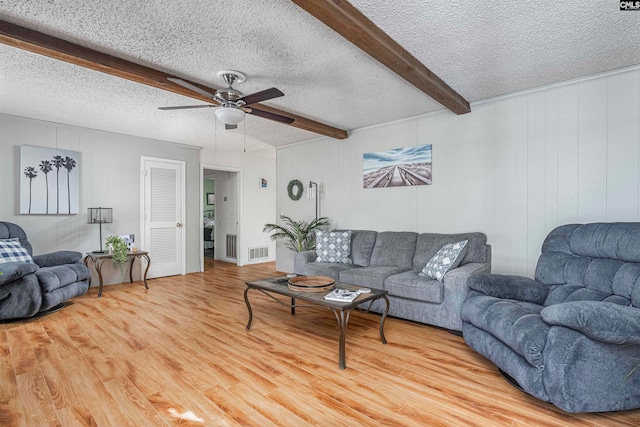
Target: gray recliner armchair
[[572, 335], [28, 289]]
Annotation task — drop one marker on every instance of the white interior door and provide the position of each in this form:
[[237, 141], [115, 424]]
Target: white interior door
[[163, 216]]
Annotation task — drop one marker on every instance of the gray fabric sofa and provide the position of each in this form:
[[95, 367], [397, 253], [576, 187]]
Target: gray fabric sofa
[[572, 335], [392, 261], [28, 289]]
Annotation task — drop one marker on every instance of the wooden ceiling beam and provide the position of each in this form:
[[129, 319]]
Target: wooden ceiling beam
[[351, 24], [53, 47]]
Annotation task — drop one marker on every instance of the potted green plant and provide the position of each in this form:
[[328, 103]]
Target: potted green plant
[[301, 235], [118, 250]]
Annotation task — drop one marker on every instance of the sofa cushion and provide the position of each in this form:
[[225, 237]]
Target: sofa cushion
[[57, 258], [330, 269], [591, 262], [412, 285], [515, 323], [52, 278], [64, 293], [447, 258], [11, 250], [611, 240], [369, 277], [604, 322], [333, 246], [394, 248], [362, 242]]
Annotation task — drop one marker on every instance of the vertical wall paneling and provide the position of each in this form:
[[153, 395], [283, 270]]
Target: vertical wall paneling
[[551, 160], [505, 156], [592, 151], [568, 154], [488, 159], [537, 174], [521, 201], [514, 168], [473, 146], [622, 147]]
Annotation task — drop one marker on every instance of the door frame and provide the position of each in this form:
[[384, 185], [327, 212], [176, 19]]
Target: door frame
[[143, 159], [239, 207]]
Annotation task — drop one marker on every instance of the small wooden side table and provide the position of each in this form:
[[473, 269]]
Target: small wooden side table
[[99, 259]]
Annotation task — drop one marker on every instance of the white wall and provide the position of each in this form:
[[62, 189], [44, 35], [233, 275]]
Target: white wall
[[227, 185], [514, 168], [258, 205], [109, 176]]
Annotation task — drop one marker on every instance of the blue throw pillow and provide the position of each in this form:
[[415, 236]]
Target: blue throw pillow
[[12, 251], [334, 246]]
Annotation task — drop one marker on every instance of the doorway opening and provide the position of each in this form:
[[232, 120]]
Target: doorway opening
[[220, 213]]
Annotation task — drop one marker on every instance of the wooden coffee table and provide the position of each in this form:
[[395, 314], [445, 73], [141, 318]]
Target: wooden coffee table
[[342, 310]]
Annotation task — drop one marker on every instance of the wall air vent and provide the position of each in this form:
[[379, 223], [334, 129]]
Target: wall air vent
[[259, 252], [232, 246]]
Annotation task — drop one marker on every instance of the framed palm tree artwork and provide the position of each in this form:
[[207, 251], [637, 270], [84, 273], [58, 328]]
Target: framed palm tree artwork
[[49, 181]]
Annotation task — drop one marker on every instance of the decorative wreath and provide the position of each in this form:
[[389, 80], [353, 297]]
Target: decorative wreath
[[294, 183]]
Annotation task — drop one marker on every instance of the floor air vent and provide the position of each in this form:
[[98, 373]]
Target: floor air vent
[[232, 246], [259, 252]]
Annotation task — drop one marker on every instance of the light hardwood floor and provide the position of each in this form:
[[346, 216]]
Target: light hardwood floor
[[179, 354]]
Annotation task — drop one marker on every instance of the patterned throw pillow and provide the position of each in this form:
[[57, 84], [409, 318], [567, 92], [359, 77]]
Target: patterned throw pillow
[[12, 251], [333, 246], [448, 257]]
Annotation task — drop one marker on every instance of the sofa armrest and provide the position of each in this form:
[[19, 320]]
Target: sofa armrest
[[57, 258], [508, 287], [12, 271], [301, 259], [467, 270], [457, 277], [602, 321]]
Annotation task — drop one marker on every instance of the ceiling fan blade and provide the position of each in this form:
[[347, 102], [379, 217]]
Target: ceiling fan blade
[[191, 87], [262, 96], [184, 107], [229, 127], [271, 116]]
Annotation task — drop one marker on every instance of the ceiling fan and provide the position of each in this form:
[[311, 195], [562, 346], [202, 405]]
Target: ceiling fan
[[232, 104]]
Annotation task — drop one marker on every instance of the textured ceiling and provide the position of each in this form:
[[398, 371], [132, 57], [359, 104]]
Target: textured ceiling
[[481, 49]]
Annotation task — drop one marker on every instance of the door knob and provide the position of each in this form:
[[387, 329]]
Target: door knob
[[178, 225]]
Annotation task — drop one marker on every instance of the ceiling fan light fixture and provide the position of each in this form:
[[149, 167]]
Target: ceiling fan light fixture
[[229, 115]]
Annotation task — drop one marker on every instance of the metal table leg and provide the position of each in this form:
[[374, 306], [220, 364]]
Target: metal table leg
[[144, 278], [293, 306], [343, 319], [246, 300], [382, 319], [86, 263], [98, 264], [133, 260]]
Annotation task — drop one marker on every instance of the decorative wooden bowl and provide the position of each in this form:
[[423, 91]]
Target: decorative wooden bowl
[[311, 283]]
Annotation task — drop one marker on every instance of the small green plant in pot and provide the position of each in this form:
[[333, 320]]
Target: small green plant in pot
[[118, 250], [301, 235]]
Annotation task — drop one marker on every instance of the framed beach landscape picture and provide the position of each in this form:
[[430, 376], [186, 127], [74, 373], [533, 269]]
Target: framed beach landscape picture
[[397, 168]]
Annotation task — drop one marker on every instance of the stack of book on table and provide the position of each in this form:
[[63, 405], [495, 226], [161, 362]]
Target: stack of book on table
[[342, 295]]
